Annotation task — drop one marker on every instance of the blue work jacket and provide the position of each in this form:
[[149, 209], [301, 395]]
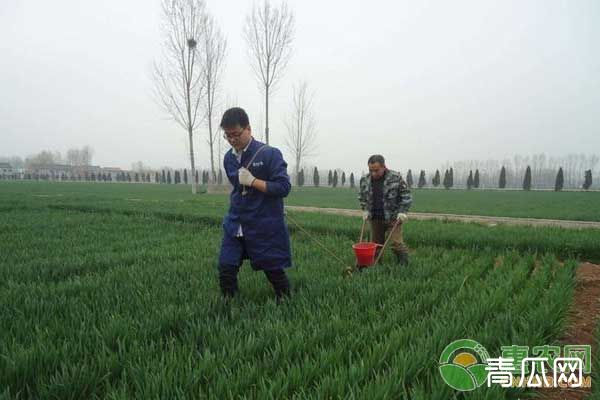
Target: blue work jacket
[[261, 216]]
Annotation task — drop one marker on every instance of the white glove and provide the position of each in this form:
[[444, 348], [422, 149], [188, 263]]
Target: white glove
[[245, 177], [365, 215], [402, 217]]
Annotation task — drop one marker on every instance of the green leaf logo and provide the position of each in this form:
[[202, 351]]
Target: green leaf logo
[[462, 365]]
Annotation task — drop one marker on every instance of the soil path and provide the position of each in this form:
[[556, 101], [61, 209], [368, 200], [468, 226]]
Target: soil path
[[581, 324]]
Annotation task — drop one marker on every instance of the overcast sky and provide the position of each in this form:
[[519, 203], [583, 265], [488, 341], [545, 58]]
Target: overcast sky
[[420, 82]]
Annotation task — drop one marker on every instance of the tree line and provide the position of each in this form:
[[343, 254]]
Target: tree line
[[543, 173], [544, 170], [335, 178], [167, 176], [473, 180]]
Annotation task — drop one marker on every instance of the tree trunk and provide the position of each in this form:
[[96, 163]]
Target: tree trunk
[[194, 185], [189, 125], [212, 142], [267, 114], [211, 139]]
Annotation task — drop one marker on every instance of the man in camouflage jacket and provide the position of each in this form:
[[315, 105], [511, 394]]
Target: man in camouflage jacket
[[385, 199]]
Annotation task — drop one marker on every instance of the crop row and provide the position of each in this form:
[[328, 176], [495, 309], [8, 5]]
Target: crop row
[[124, 303]]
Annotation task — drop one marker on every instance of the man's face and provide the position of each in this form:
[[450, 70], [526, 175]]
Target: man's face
[[237, 136], [377, 170]]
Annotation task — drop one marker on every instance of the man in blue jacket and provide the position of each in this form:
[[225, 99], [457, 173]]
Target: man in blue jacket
[[254, 228]]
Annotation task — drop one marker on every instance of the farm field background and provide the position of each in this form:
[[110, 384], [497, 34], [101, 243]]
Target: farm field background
[[579, 206], [583, 206], [110, 292]]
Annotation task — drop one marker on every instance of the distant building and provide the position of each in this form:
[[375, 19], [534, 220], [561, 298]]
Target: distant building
[[6, 171], [5, 168], [111, 170], [52, 171]]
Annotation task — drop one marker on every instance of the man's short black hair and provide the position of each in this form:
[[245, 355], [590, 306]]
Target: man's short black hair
[[376, 158], [235, 116]]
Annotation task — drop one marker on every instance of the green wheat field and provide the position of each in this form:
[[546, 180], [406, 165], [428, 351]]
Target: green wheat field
[[109, 291]]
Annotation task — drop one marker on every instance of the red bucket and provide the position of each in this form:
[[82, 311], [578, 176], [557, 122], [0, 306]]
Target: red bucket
[[365, 253]]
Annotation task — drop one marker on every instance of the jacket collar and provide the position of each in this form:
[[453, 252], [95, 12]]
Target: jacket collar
[[382, 179], [236, 153], [248, 152]]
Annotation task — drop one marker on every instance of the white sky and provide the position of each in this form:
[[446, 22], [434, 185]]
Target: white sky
[[422, 82]]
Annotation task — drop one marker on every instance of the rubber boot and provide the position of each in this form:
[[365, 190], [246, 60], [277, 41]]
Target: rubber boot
[[228, 280], [402, 259], [280, 283]]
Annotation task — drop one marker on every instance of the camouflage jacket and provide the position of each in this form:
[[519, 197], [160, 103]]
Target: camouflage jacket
[[396, 195]]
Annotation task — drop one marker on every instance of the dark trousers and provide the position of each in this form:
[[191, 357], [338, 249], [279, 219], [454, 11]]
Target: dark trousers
[[379, 228], [229, 282]]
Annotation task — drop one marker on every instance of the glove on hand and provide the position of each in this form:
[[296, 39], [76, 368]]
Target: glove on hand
[[245, 177]]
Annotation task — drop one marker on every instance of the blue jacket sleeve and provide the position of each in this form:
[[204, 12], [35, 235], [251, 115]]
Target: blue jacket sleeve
[[279, 182]]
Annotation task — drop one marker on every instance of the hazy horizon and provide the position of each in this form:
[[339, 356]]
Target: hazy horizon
[[421, 83]]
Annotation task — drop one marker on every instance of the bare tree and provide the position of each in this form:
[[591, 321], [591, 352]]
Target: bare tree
[[73, 157], [301, 126], [214, 54], [140, 167], [87, 153], [178, 80], [80, 157], [269, 33], [44, 158]]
